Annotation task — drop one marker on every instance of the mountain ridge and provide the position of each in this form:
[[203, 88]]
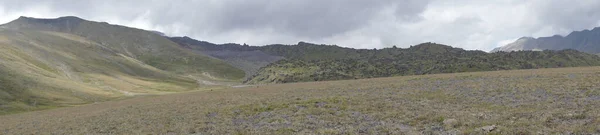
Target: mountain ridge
[[312, 62], [585, 40], [146, 46], [427, 58]]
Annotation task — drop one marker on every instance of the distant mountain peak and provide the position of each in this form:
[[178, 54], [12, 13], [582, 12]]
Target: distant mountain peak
[[584, 40], [23, 17], [64, 18], [525, 38], [54, 24]]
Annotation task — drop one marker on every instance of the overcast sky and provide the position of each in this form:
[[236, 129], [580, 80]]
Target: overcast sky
[[469, 24]]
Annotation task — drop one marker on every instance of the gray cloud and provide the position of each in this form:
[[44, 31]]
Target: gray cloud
[[470, 24], [306, 18], [565, 16]]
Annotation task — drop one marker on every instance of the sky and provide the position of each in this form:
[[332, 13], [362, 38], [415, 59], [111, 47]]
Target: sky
[[470, 24]]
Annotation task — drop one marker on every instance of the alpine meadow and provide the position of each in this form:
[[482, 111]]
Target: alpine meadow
[[351, 67]]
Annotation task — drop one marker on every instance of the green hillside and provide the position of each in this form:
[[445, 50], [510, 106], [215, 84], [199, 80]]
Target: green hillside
[[336, 63], [47, 63], [42, 69], [146, 46]]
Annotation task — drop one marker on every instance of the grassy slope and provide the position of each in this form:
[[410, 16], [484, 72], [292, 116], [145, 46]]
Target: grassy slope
[[146, 46], [314, 64], [158, 51], [541, 101], [41, 69]]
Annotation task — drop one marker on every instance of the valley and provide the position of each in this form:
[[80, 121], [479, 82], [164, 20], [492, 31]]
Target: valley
[[97, 62], [100, 78], [300, 67], [537, 101]]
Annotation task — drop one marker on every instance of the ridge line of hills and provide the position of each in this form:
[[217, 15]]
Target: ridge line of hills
[[305, 62]]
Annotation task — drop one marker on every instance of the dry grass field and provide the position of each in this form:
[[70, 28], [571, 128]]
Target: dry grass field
[[543, 101]]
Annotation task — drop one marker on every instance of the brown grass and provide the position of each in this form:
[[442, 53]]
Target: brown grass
[[544, 101]]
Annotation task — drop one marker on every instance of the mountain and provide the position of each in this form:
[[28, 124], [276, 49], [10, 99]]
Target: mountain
[[305, 62], [146, 46], [247, 58], [586, 41], [252, 58], [426, 58], [47, 63]]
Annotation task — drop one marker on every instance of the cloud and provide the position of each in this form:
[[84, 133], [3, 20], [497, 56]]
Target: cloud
[[564, 16], [470, 24]]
